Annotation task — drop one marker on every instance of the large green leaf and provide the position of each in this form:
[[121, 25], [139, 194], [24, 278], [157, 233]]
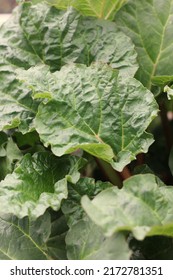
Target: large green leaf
[[92, 108], [24, 239], [97, 8], [39, 33], [42, 34], [85, 241], [143, 206], [39, 182], [150, 25]]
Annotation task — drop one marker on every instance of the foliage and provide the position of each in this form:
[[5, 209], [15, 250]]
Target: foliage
[[86, 92]]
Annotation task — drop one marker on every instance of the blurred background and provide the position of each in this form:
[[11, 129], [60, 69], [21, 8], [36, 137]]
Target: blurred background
[[6, 6]]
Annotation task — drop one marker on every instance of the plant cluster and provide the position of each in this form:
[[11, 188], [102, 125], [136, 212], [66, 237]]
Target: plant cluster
[[86, 130]]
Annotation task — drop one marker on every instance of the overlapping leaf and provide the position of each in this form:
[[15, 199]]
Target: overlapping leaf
[[143, 206], [71, 207], [97, 8], [56, 246], [150, 25], [39, 182], [42, 34], [92, 108], [85, 241]]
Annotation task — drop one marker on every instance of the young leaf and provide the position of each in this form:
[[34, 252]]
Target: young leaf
[[149, 24], [100, 9], [39, 182], [85, 241], [24, 239], [143, 207], [121, 110]]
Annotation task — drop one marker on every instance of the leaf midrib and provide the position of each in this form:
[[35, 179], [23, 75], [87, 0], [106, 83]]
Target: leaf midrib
[[160, 49], [28, 236]]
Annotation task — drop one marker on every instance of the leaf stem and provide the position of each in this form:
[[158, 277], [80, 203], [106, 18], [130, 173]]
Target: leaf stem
[[125, 174], [166, 125], [110, 174]]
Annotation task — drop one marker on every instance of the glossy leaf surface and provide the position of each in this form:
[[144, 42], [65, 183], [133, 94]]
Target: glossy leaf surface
[[92, 108]]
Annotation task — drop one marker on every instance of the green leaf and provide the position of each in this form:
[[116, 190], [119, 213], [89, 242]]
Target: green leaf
[[149, 24], [39, 182], [56, 246], [162, 81], [169, 92], [121, 110], [9, 155], [100, 9], [17, 108], [3, 141], [143, 206], [71, 207], [55, 37], [13, 153], [42, 34], [85, 241], [24, 239]]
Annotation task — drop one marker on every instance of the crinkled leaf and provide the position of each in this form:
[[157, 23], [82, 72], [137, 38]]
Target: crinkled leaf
[[39, 182], [42, 34], [71, 207], [97, 8], [85, 241], [39, 33], [17, 108], [150, 25], [24, 239], [92, 108], [143, 207]]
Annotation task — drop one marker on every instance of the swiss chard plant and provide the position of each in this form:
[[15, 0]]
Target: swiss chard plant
[[86, 136]]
